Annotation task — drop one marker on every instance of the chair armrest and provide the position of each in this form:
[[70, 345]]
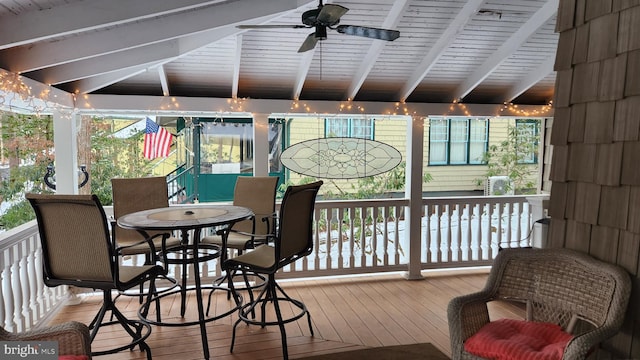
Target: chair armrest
[[264, 218], [72, 337], [580, 345], [466, 315], [271, 229]]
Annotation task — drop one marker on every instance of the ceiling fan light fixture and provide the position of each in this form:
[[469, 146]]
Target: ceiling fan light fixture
[[328, 17], [321, 32]]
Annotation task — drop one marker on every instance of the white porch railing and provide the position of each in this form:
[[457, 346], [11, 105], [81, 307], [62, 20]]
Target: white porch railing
[[24, 299], [351, 237]]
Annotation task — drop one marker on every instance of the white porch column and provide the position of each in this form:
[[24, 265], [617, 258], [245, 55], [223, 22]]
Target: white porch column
[[66, 150], [260, 144], [413, 191]]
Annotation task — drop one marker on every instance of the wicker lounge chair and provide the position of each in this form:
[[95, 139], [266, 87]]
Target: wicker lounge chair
[[72, 337], [586, 297]]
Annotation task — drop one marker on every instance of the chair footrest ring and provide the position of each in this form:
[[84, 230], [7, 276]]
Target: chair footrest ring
[[247, 309], [136, 325]]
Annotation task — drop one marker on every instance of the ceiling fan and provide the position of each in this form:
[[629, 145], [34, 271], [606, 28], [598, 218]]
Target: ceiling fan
[[328, 17]]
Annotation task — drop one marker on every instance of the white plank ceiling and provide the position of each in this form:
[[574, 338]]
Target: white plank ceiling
[[474, 51]]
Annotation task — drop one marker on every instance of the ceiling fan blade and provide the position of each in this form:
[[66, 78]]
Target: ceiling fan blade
[[271, 26], [309, 43], [330, 14], [369, 32]]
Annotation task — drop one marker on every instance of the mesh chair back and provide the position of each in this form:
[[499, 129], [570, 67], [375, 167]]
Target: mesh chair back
[[75, 239], [137, 194], [257, 193], [295, 229]]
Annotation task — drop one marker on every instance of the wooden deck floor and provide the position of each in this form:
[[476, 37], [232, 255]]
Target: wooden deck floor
[[347, 313]]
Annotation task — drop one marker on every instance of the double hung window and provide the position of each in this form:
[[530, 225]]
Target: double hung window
[[457, 140], [349, 127], [527, 140]]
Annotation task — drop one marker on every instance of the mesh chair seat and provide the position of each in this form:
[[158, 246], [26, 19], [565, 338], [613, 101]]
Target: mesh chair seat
[[235, 240], [130, 276], [262, 257], [138, 247]]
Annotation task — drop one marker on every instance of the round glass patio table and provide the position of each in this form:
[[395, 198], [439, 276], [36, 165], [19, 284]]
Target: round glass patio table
[[188, 219]]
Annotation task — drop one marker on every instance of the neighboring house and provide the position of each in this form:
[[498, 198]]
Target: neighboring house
[[453, 146]]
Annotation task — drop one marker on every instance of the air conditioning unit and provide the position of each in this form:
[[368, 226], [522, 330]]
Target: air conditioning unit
[[498, 185]]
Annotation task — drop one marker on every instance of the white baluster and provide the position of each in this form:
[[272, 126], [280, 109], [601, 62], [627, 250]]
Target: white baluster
[[385, 236], [466, 254], [363, 231], [41, 297], [27, 314], [458, 235], [352, 235], [398, 212], [16, 293], [8, 291], [427, 226], [33, 280], [340, 238], [3, 276]]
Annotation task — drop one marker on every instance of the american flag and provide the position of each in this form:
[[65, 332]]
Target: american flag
[[157, 141]]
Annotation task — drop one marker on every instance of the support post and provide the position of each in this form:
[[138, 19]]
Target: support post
[[413, 191], [66, 150], [260, 144]]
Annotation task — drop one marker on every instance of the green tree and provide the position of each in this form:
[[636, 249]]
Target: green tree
[[114, 157], [28, 143], [513, 157]]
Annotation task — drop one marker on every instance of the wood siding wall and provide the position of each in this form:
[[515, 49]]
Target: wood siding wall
[[595, 196], [393, 131]]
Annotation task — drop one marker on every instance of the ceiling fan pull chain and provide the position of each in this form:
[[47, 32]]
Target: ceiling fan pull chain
[[320, 61]]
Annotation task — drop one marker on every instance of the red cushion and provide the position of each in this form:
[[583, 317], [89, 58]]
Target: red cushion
[[507, 339], [73, 357]]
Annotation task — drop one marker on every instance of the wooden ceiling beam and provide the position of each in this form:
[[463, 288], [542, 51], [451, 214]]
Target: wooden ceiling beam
[[537, 20]]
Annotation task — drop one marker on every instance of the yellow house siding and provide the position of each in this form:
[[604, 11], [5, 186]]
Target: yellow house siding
[[393, 131], [465, 177]]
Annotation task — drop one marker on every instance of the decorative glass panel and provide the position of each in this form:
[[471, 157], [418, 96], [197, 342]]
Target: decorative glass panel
[[340, 158]]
